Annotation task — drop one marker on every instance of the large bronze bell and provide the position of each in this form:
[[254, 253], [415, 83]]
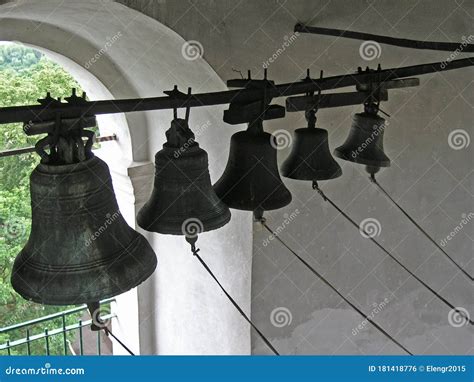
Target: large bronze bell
[[182, 201], [251, 180], [310, 158], [80, 248], [365, 142]]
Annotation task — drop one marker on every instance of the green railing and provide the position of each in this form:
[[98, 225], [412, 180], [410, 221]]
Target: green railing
[[65, 325]]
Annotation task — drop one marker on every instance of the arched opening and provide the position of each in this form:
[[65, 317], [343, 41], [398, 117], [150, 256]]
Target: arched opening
[[26, 75], [178, 310]]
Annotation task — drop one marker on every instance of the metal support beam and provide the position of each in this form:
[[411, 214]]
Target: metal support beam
[[462, 46], [179, 100]]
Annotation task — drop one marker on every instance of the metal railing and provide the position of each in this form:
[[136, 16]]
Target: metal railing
[[47, 335]]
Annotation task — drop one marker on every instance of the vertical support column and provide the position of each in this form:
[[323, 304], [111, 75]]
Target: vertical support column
[[132, 182]]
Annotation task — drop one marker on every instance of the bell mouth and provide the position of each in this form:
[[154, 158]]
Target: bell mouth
[[177, 226], [317, 175], [47, 285], [342, 154]]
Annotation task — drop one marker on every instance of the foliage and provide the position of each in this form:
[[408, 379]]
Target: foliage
[[18, 57], [25, 76]]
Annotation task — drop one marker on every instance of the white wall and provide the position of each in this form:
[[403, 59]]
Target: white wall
[[427, 176]]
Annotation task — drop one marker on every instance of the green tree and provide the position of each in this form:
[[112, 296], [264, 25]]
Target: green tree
[[18, 57], [25, 76]]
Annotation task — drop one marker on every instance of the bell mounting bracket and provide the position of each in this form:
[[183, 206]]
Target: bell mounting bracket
[[370, 94], [323, 101], [253, 110], [64, 136], [376, 88], [181, 101], [179, 134]]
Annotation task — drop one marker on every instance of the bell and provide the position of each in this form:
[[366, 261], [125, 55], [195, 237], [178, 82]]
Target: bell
[[183, 201], [310, 158], [80, 248], [251, 180], [365, 142]]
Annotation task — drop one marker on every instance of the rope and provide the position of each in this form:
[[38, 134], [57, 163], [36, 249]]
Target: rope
[[325, 281], [195, 251], [98, 324], [372, 178], [107, 331], [460, 312]]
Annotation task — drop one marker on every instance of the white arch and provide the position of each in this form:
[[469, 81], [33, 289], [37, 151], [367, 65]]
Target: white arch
[[145, 59]]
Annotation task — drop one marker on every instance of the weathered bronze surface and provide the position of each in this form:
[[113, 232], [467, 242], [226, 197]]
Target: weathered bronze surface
[[80, 248], [310, 158], [182, 191], [251, 180], [364, 144]]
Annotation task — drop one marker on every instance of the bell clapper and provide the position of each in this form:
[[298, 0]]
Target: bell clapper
[[98, 324], [258, 215], [372, 177], [372, 170], [94, 311], [192, 241], [320, 192]]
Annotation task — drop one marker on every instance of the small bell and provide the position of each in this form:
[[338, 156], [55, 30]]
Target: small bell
[[310, 158], [364, 144], [182, 199], [251, 180]]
